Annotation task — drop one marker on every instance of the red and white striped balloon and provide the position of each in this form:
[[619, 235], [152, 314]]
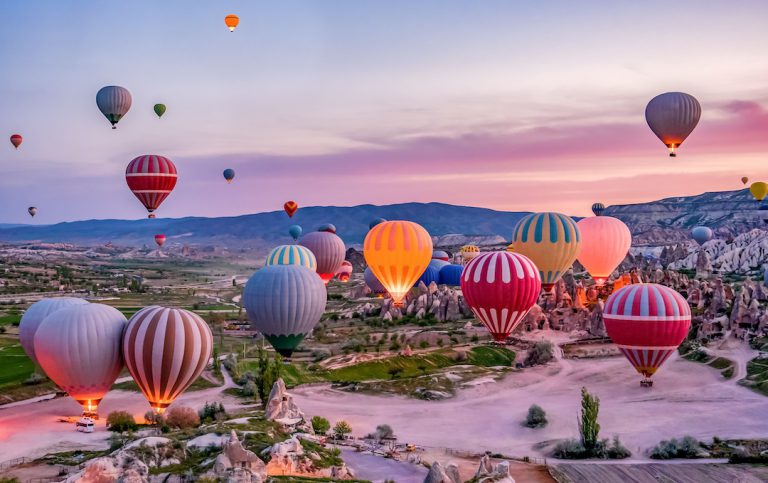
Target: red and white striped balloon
[[151, 178], [500, 288]]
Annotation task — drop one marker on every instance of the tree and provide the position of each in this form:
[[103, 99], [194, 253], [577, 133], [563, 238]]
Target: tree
[[268, 371], [320, 424], [541, 353], [182, 417], [589, 428], [536, 417], [341, 429], [121, 421]]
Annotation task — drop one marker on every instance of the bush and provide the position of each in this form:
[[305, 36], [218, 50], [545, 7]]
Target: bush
[[212, 412], [121, 421], [542, 352], [151, 417], [34, 379], [249, 389], [617, 451], [383, 431], [341, 429], [687, 447], [570, 449], [182, 417], [320, 424], [536, 417]]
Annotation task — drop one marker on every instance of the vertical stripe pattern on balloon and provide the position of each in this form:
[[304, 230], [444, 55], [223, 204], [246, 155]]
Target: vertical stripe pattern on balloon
[[551, 241]]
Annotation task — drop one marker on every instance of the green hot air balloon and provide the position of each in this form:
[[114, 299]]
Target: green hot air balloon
[[284, 302], [159, 109]]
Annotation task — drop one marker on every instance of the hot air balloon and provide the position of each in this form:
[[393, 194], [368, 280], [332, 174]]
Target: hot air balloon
[[375, 222], [231, 21], [397, 252], [32, 210], [441, 255], [500, 288], [78, 347], [34, 316], [160, 240], [429, 275], [328, 227], [598, 209], [295, 232], [151, 178], [468, 252], [551, 240], [344, 271], [451, 275], [290, 207], [744, 180], [647, 322], [702, 234], [759, 190], [166, 350], [510, 247], [672, 116], [16, 140], [292, 255], [114, 102], [437, 264], [159, 109], [605, 241], [284, 302], [328, 249], [373, 283], [229, 174]]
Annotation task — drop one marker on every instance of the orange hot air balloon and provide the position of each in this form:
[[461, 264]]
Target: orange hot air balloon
[[397, 252], [744, 180], [605, 241], [290, 207], [232, 21]]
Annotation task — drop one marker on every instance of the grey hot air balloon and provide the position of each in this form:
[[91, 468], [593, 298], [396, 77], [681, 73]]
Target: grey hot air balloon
[[114, 102], [32, 210], [672, 116], [329, 251], [373, 283], [79, 348], [175, 343], [284, 302], [34, 316]]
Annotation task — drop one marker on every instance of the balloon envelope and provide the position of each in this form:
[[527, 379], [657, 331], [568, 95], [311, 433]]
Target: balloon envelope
[[292, 255], [34, 316], [32, 211], [329, 227], [429, 275], [744, 180], [375, 222], [16, 140], [344, 271], [231, 21], [114, 102], [598, 209], [373, 283], [468, 252], [295, 231], [672, 116], [151, 178], [605, 241], [451, 275], [759, 190], [229, 174], [702, 234], [290, 208], [159, 109], [438, 264], [160, 240], [440, 255], [329, 251]]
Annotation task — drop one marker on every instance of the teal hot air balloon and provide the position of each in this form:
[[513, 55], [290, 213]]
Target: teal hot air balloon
[[114, 102], [375, 222], [702, 234], [284, 302], [229, 174], [295, 232], [292, 255]]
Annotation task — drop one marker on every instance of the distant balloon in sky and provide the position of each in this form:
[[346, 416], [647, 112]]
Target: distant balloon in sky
[[702, 234], [329, 250], [35, 315], [551, 240], [32, 211], [397, 252], [344, 271], [605, 241], [672, 116], [290, 207], [160, 240], [759, 190], [159, 109], [114, 102], [647, 322], [744, 180], [151, 178], [231, 21], [375, 222], [598, 209], [229, 174], [16, 140], [292, 255], [295, 231], [78, 347]]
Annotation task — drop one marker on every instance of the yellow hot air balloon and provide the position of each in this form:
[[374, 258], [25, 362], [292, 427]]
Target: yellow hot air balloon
[[744, 180], [231, 21], [511, 247], [759, 190], [397, 253], [468, 252], [551, 240], [605, 241]]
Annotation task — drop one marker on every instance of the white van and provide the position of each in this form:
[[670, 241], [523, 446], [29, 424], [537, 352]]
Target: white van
[[84, 425]]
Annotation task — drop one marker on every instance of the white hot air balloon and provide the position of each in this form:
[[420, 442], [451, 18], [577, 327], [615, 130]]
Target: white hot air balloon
[[34, 316], [114, 102]]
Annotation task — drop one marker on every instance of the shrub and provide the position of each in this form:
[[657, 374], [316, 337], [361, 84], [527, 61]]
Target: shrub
[[212, 412], [687, 447], [151, 417], [182, 417], [541, 353], [34, 379], [536, 417], [617, 451], [570, 449], [341, 429], [249, 389], [320, 424], [423, 344], [460, 356], [121, 421], [383, 431]]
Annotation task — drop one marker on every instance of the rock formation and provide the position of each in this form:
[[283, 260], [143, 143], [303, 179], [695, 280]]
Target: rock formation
[[281, 409], [438, 474], [290, 458], [488, 472], [235, 463]]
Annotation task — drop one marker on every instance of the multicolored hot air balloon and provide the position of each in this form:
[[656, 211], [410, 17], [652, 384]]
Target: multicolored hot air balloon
[[500, 288], [397, 252], [468, 252], [290, 207], [114, 102], [759, 190], [605, 241], [451, 275], [32, 210], [672, 116], [329, 250], [284, 302], [344, 271], [647, 322], [166, 350], [744, 180], [292, 255], [16, 140], [373, 283], [231, 22], [78, 347], [229, 174], [159, 109], [702, 234], [429, 275], [598, 209], [295, 232], [151, 178], [160, 240], [375, 222], [551, 240], [35, 315]]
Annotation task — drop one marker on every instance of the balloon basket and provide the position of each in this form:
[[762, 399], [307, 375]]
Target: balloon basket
[[646, 383]]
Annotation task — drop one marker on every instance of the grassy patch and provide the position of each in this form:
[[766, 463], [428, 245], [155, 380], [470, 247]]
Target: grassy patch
[[15, 366], [71, 458], [10, 319], [757, 376], [721, 363]]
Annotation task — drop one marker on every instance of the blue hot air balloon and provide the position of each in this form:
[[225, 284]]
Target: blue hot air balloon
[[375, 222], [292, 255], [372, 282], [229, 174], [702, 234], [431, 274], [598, 209], [295, 231], [451, 275], [438, 264]]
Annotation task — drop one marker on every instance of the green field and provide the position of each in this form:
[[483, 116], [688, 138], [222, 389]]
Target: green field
[[10, 319], [16, 366]]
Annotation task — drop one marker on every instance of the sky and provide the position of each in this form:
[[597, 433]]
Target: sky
[[510, 105]]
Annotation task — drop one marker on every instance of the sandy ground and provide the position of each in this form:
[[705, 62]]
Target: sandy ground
[[377, 469], [687, 398]]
